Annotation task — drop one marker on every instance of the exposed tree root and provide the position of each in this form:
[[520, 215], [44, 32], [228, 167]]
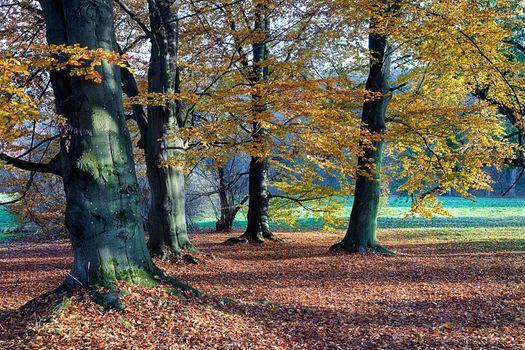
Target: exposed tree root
[[244, 239], [35, 302], [362, 249], [253, 238], [176, 283], [109, 296], [187, 247], [108, 299], [235, 240], [189, 259], [275, 239], [175, 254]]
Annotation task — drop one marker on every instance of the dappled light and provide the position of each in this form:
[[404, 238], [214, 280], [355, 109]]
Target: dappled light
[[292, 294]]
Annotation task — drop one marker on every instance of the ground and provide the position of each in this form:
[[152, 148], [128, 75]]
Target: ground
[[448, 288]]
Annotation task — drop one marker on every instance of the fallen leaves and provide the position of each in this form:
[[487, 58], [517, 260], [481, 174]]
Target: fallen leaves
[[290, 295]]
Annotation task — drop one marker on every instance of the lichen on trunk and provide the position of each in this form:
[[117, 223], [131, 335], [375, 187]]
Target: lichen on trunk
[[167, 225], [102, 194]]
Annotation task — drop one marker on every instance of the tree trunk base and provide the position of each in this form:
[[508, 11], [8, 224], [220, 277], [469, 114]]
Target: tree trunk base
[[362, 249], [254, 239], [275, 239], [156, 252], [178, 251], [110, 298], [235, 240], [172, 253]]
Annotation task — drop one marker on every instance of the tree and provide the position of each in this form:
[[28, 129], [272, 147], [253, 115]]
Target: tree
[[261, 101], [95, 159], [230, 200], [224, 187], [361, 232], [440, 139], [166, 218]]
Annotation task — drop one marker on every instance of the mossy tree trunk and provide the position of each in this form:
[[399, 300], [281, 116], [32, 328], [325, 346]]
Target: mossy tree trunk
[[102, 195], [361, 233], [167, 216]]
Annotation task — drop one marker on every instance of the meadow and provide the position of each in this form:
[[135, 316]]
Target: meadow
[[465, 213]]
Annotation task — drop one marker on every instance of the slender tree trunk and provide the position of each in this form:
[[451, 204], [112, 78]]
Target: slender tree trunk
[[167, 217], [257, 226], [102, 195], [512, 177], [361, 233], [228, 208]]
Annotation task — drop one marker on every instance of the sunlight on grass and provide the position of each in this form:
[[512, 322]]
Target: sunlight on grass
[[477, 213]]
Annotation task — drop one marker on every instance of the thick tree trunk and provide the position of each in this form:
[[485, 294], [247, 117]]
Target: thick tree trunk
[[167, 215], [361, 233], [102, 195]]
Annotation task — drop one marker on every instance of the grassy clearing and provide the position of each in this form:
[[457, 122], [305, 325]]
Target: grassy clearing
[[477, 213], [480, 239], [7, 220]]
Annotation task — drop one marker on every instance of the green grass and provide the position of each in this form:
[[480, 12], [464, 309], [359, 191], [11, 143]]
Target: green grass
[[480, 212], [482, 215], [472, 238], [7, 220]]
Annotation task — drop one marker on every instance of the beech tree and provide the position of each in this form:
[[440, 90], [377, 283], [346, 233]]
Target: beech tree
[[361, 232], [440, 139], [95, 158], [166, 222], [255, 79]]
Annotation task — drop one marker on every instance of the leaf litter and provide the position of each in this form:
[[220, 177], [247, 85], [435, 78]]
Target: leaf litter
[[288, 295]]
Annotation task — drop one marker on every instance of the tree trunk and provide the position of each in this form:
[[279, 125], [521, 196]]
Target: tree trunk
[[167, 215], [228, 208], [512, 178], [361, 233], [102, 195], [257, 226]]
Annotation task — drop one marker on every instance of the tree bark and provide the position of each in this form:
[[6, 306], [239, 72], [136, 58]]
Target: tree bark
[[257, 226], [102, 195], [167, 218], [361, 233], [229, 209]]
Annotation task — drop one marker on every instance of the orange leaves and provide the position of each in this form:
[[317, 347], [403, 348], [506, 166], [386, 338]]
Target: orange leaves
[[16, 107], [79, 61], [17, 103], [444, 292]]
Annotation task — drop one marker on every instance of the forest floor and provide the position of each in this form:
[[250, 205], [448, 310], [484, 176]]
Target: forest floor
[[448, 288]]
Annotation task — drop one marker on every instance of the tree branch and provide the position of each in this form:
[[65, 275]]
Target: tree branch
[[134, 17], [52, 167]]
